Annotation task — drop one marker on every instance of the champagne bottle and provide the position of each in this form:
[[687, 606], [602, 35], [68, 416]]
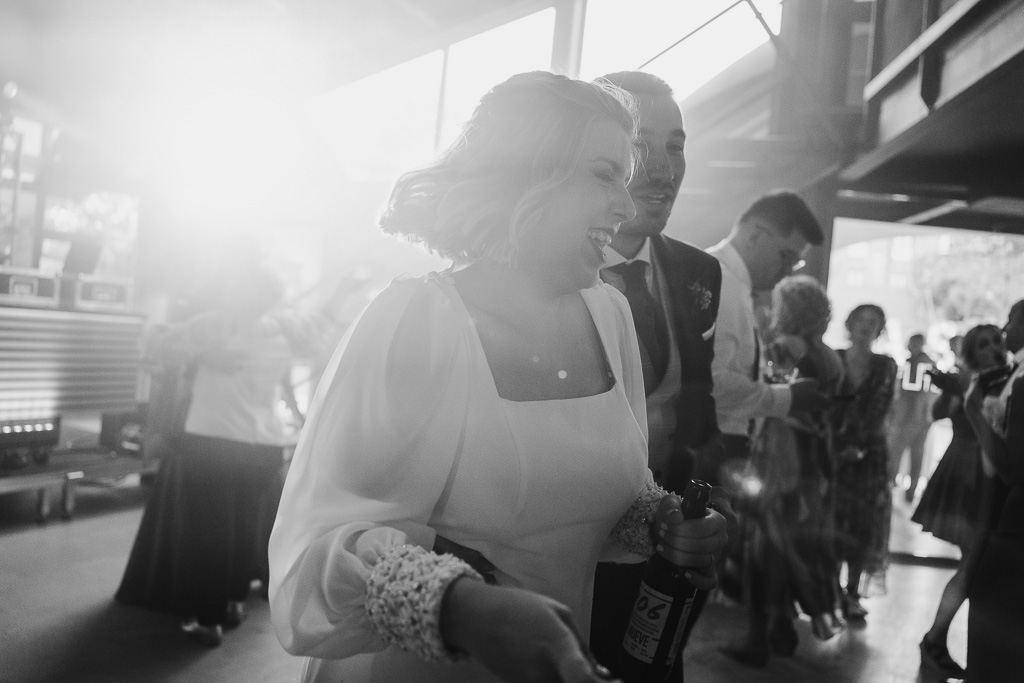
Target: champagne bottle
[[661, 607]]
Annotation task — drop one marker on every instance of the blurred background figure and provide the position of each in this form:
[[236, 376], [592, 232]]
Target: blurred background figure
[[200, 543], [767, 242], [862, 495], [956, 502], [956, 347], [994, 406], [789, 538], [911, 414]]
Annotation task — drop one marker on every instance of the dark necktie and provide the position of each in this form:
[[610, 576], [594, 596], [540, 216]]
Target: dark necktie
[[648, 318]]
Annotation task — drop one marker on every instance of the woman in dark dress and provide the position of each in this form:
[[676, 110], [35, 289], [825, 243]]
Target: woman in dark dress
[[958, 495], [995, 407], [199, 543], [862, 495]]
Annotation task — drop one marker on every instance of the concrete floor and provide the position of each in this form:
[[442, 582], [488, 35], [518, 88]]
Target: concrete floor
[[58, 620]]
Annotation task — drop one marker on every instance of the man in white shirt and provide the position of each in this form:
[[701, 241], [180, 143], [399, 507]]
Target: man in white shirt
[[766, 244]]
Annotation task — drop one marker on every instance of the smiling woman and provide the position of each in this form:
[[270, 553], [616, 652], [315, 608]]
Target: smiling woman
[[483, 422]]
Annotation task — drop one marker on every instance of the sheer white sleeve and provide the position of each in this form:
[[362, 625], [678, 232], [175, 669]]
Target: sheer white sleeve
[[370, 465], [634, 530]]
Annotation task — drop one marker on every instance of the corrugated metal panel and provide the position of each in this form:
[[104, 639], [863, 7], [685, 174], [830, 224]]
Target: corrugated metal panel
[[56, 361]]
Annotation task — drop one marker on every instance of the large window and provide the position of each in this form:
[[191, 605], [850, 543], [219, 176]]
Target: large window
[[935, 281], [385, 121], [623, 35], [388, 122], [476, 64]]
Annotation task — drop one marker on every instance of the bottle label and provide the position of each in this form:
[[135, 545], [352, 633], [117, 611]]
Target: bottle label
[[678, 640], [647, 623]]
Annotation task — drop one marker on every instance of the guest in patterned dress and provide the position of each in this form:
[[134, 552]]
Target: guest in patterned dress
[[862, 494], [789, 538]]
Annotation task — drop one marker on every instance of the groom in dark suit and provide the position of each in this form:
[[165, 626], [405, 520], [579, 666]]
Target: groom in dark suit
[[673, 289]]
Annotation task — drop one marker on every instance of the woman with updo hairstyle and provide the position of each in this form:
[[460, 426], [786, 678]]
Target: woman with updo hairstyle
[[496, 181], [801, 313], [862, 495], [478, 442]]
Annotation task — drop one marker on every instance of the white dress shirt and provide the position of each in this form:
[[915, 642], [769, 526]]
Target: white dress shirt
[[739, 398]]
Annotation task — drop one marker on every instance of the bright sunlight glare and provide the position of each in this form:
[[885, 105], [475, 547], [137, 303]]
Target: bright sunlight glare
[[653, 25], [388, 123], [221, 102], [383, 122], [400, 130], [478, 63]]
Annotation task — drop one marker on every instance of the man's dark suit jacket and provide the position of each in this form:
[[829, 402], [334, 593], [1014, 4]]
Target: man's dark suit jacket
[[694, 281], [694, 284]]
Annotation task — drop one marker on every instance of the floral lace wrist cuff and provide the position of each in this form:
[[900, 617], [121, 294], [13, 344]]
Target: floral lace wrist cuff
[[633, 530], [403, 599]]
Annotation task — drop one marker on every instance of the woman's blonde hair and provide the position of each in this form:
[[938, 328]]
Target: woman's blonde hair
[[493, 185], [800, 307]]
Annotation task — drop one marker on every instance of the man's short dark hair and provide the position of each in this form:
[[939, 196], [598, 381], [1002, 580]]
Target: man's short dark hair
[[639, 83], [786, 212]]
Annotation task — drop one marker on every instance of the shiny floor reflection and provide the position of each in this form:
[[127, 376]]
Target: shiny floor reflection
[[883, 649], [58, 620]]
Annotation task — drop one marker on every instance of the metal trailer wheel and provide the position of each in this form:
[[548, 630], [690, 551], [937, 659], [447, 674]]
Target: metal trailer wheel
[[41, 456], [42, 506], [67, 499]]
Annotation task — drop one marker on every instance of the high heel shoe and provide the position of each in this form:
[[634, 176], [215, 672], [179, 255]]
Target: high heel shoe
[[210, 636], [825, 627], [936, 656], [235, 614], [852, 609]]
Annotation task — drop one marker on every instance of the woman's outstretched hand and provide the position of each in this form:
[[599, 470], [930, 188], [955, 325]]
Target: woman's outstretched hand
[[693, 543], [520, 636]]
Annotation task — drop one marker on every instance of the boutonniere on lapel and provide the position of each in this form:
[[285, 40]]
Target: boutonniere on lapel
[[701, 295]]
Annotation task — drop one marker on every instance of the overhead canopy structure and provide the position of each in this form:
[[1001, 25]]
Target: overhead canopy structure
[[940, 143], [945, 113]]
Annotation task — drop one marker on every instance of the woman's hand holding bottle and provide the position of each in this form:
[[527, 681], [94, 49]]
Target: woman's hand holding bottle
[[693, 543]]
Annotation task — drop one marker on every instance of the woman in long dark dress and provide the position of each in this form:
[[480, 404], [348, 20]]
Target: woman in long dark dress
[[957, 501], [995, 407], [198, 545], [863, 498]]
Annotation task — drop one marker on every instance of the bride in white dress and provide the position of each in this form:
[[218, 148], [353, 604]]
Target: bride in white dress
[[496, 411]]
